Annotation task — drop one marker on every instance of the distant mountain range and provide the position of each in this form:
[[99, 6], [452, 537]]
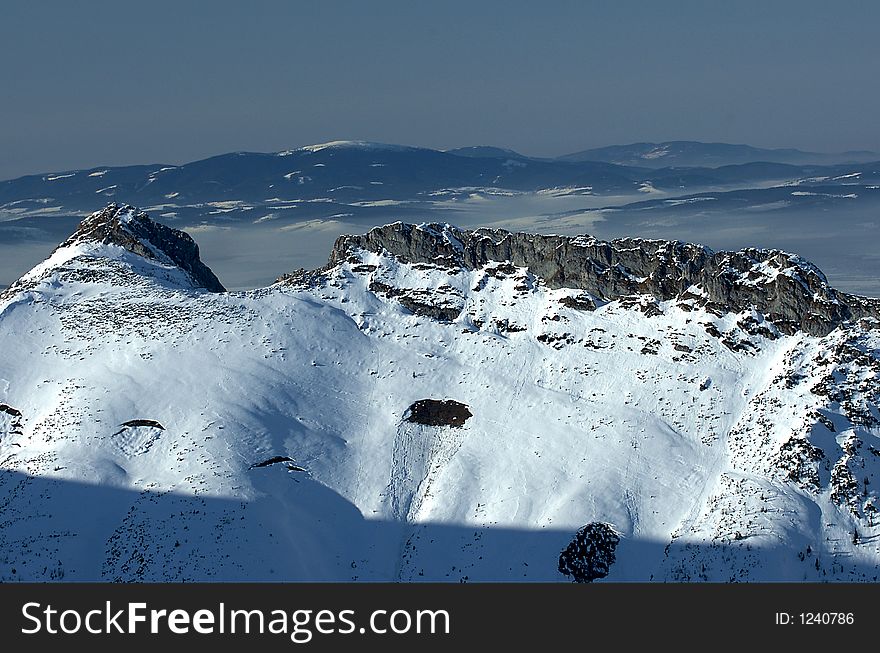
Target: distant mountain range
[[355, 177], [332, 187]]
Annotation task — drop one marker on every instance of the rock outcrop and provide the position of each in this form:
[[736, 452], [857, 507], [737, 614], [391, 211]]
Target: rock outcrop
[[434, 412], [133, 230], [788, 290], [590, 554]]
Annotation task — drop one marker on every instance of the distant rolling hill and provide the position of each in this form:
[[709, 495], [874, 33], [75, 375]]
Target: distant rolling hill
[[697, 154]]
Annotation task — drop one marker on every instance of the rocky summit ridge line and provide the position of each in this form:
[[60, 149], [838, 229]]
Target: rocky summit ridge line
[[790, 292]]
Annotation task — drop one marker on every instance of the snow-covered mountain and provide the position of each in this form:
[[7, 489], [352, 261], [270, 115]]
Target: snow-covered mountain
[[436, 404]]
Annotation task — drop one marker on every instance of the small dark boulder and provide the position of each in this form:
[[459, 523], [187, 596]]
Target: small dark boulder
[[274, 460], [590, 554], [144, 422], [434, 412]]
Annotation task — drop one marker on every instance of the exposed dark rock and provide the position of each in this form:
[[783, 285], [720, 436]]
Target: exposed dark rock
[[501, 271], [434, 412], [274, 460], [743, 346], [651, 347], [844, 486], [143, 422], [786, 289], [132, 229], [556, 340], [751, 326], [800, 461], [13, 422], [302, 279], [590, 554], [426, 308], [647, 305], [579, 303], [506, 326], [442, 305], [9, 410]]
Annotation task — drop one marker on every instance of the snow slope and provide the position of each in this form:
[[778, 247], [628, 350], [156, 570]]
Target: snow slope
[[167, 432]]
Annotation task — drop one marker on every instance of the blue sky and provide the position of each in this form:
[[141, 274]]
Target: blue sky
[[116, 82]]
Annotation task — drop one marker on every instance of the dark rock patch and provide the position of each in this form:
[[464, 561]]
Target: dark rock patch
[[13, 424], [800, 461], [501, 271], [651, 347], [434, 412], [579, 303], [751, 326], [740, 346], [556, 340], [442, 312], [277, 460], [506, 326], [144, 422], [443, 304], [590, 554], [645, 304], [9, 410]]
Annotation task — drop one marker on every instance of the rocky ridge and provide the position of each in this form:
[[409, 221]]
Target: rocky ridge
[[790, 292]]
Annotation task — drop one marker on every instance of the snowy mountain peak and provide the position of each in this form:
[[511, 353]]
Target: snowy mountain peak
[[789, 291], [350, 145], [134, 231], [115, 243]]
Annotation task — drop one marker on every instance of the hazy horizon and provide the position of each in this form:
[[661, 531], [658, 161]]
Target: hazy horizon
[[166, 83]]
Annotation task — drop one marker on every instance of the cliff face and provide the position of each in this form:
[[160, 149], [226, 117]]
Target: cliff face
[[788, 290]]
